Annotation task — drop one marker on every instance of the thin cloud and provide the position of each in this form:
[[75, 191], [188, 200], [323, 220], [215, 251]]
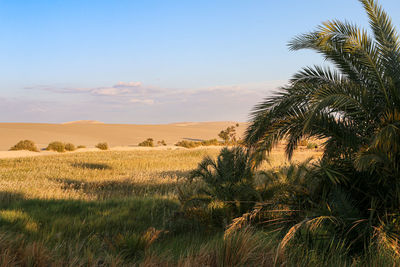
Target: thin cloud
[[128, 84], [127, 102], [119, 88], [110, 91], [142, 101]]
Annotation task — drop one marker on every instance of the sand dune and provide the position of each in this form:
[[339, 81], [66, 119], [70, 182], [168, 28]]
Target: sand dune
[[83, 122], [89, 133]]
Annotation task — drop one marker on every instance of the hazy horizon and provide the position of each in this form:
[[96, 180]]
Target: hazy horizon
[[154, 62]]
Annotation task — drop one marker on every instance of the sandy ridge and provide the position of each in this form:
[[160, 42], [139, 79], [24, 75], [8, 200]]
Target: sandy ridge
[[118, 136]]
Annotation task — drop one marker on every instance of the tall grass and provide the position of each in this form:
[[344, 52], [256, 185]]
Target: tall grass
[[111, 208], [90, 208]]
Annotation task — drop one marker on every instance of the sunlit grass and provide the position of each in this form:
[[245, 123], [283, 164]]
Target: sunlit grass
[[99, 207]]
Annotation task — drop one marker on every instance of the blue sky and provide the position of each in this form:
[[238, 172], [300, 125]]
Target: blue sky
[[153, 61]]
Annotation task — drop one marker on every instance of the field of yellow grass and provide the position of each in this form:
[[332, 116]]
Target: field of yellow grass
[[102, 174], [84, 209]]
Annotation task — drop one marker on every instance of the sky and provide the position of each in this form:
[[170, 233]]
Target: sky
[[150, 62]]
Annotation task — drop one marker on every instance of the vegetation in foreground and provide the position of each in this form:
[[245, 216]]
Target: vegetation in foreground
[[341, 210], [114, 208], [351, 197]]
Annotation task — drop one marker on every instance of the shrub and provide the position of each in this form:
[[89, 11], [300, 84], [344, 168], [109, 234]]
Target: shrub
[[70, 147], [25, 145], [229, 134], [211, 142], [102, 146], [193, 144], [229, 183], [162, 142], [81, 146], [148, 142], [56, 146], [188, 144]]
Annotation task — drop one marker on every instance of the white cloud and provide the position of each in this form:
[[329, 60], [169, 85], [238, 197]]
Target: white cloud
[[142, 101], [110, 91], [128, 84]]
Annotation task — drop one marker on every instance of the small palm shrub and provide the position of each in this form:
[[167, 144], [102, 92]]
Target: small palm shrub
[[70, 147], [56, 146], [102, 146], [25, 145], [134, 246], [148, 142], [228, 186]]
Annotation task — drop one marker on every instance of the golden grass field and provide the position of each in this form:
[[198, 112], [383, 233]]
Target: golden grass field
[[116, 173], [102, 208]]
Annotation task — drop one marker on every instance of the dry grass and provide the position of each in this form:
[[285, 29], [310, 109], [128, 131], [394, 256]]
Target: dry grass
[[84, 209], [93, 175]]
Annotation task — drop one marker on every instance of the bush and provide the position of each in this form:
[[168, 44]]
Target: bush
[[188, 144], [102, 146], [211, 142], [56, 146], [81, 146], [162, 143], [228, 188], [25, 145], [193, 144], [70, 147], [229, 134], [148, 142]]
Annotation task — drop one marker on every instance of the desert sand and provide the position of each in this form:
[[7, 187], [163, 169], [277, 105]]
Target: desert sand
[[118, 136]]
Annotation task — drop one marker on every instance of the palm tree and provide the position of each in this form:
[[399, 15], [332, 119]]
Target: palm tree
[[354, 105], [229, 179]]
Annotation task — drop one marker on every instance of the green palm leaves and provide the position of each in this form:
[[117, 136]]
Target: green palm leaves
[[353, 105], [229, 180]]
